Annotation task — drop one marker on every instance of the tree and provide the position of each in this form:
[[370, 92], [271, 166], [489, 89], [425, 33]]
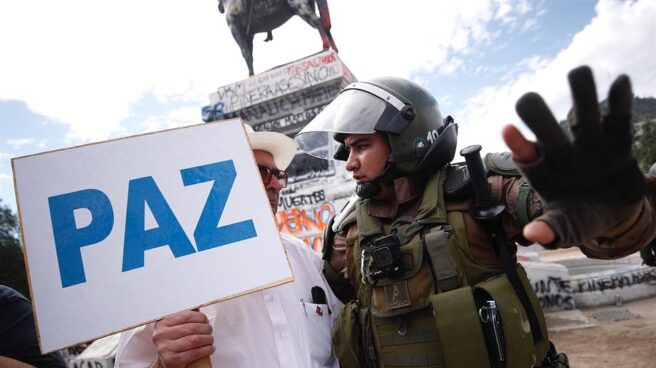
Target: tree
[[12, 266], [644, 131], [645, 144]]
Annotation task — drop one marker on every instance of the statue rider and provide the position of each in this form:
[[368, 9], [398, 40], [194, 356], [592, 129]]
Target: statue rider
[[428, 278]]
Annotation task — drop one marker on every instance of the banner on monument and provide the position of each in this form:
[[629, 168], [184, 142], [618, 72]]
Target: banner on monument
[[124, 232]]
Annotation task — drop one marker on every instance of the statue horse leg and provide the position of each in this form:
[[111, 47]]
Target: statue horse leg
[[245, 42], [306, 12], [324, 13]]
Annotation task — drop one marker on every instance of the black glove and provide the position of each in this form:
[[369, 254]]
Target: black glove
[[591, 184]]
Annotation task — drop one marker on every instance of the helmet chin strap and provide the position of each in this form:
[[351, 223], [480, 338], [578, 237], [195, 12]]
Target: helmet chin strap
[[368, 190], [372, 188]]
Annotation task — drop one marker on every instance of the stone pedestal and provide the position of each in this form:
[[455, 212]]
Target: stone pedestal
[[284, 99]]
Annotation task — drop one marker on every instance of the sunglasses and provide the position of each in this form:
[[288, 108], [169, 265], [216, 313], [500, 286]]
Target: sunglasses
[[267, 173]]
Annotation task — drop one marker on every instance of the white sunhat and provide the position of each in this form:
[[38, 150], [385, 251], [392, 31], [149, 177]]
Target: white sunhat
[[280, 146]]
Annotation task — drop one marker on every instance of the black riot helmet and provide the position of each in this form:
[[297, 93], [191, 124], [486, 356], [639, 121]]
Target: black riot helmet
[[420, 139]]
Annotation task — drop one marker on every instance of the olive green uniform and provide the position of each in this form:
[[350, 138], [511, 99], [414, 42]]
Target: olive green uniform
[[423, 282], [397, 322]]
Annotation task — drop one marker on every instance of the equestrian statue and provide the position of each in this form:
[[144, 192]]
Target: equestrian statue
[[248, 17]]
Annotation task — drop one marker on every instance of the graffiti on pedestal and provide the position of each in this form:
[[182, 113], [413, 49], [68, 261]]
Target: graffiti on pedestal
[[305, 209], [554, 292], [291, 201], [307, 223], [305, 167], [305, 215], [616, 281], [292, 109], [280, 82], [289, 121]]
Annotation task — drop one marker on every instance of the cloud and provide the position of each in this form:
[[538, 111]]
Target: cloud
[[18, 143], [84, 64], [450, 66], [619, 39], [87, 66], [509, 11], [33, 134], [173, 119], [529, 24]]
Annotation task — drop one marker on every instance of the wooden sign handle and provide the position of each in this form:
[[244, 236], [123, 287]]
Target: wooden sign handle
[[202, 362]]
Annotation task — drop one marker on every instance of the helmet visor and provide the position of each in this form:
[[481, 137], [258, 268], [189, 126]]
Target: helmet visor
[[354, 111]]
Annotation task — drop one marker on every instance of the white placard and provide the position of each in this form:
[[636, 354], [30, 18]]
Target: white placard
[[124, 232]]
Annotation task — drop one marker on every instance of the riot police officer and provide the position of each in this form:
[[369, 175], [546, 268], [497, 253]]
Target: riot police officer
[[426, 270]]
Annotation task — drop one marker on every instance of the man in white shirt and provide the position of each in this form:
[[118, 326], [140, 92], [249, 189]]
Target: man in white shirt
[[283, 326]]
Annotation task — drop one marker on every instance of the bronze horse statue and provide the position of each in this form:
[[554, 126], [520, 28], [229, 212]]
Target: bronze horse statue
[[248, 17]]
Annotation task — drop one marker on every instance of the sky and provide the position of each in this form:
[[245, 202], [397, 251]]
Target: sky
[[74, 72]]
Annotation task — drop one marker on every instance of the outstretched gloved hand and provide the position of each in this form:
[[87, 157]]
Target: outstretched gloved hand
[[588, 185]]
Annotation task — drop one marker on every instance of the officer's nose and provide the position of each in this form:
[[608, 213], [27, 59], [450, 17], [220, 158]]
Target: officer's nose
[[352, 162]]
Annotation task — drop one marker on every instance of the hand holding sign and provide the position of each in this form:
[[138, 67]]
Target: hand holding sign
[[183, 338]]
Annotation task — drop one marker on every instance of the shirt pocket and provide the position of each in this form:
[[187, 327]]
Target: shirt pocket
[[316, 322]]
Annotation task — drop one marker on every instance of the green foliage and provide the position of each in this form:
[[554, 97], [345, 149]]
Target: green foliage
[[12, 266], [8, 224], [645, 145]]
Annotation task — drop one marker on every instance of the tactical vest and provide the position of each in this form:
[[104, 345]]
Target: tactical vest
[[430, 312]]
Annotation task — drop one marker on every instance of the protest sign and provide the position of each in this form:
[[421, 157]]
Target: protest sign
[[124, 232]]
